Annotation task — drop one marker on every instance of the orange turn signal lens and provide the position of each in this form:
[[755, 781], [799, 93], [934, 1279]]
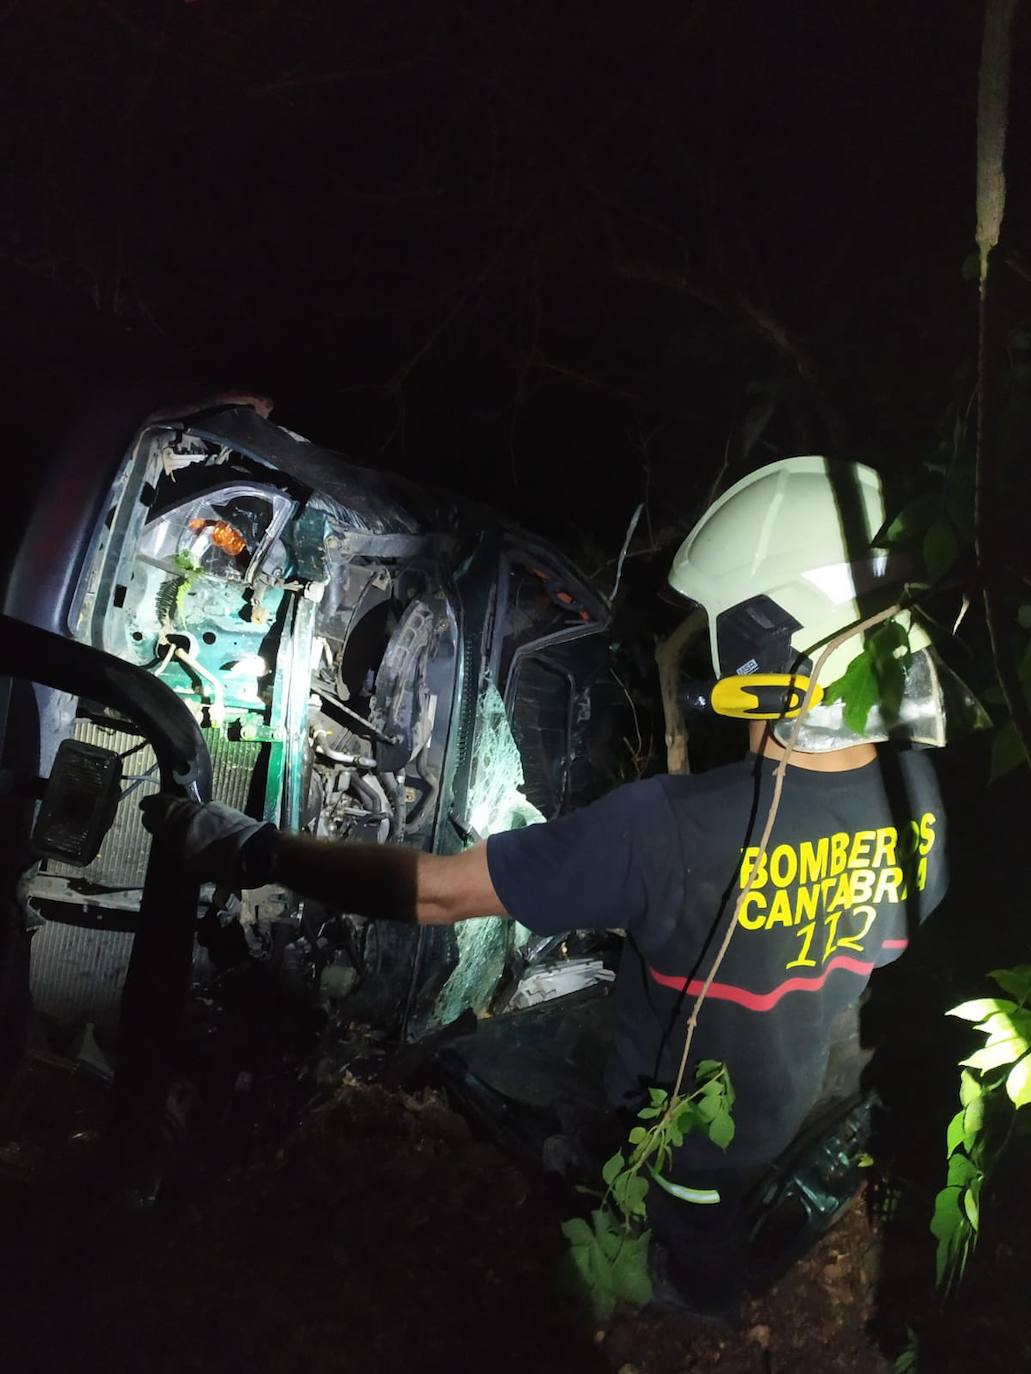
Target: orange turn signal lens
[[226, 538]]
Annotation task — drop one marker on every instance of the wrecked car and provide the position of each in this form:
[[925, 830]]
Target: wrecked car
[[362, 659]]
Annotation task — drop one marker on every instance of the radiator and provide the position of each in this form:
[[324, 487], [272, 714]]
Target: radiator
[[77, 971]]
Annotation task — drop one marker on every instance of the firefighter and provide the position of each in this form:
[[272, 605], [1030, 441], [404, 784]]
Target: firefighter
[[782, 562]]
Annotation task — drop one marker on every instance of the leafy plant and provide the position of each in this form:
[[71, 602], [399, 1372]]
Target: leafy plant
[[609, 1255], [908, 1359], [875, 677], [191, 570], [1007, 746], [995, 1082], [937, 527], [175, 590]]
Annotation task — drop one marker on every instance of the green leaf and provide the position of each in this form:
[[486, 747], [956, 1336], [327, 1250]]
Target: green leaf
[[637, 1135], [970, 1088], [940, 549], [1018, 1083], [887, 639], [981, 1007], [592, 1273], [619, 1187], [890, 676], [602, 1288], [706, 1069], [908, 1360], [577, 1232], [694, 1124], [953, 1232], [1008, 1025], [876, 675], [612, 1168], [607, 1232], [1007, 751], [721, 1130], [649, 1113], [636, 1192], [1015, 981], [580, 1261], [962, 1172], [659, 1096], [971, 1208], [947, 1219], [992, 1056], [631, 1280], [710, 1107], [688, 1115], [857, 688], [973, 1120], [890, 654], [955, 1135], [911, 522]]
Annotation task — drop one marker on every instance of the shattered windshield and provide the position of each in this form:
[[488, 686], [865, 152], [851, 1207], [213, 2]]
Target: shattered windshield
[[496, 803], [496, 787]]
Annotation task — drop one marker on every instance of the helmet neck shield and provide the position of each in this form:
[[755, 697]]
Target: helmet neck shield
[[920, 719]]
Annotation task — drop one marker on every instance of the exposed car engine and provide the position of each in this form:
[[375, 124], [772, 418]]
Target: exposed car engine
[[363, 664]]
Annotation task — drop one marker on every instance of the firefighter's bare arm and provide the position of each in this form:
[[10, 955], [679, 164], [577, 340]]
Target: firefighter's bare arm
[[387, 882]]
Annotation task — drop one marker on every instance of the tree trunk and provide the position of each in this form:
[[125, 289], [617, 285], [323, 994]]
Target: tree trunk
[[669, 654]]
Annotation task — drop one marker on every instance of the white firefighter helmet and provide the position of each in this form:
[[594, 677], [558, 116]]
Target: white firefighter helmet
[[783, 561]]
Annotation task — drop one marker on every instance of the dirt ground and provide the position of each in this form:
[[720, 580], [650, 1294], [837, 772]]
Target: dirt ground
[[382, 1237]]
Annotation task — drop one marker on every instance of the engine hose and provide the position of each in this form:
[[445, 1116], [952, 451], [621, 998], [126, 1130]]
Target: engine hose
[[374, 802], [337, 756], [428, 801], [217, 706], [393, 785]]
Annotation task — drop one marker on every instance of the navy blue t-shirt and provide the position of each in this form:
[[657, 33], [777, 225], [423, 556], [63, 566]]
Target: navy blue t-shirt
[[855, 862]]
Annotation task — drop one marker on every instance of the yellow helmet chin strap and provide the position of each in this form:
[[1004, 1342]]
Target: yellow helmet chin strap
[[762, 696]]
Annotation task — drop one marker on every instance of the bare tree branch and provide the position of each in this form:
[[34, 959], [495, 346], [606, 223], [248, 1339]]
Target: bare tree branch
[[669, 654], [574, 374], [299, 80], [740, 305]]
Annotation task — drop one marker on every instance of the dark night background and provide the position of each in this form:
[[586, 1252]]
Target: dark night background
[[559, 256]]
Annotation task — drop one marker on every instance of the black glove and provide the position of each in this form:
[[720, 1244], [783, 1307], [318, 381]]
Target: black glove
[[217, 844]]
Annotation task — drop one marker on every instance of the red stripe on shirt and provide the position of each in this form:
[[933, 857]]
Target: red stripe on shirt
[[763, 1001], [895, 944]]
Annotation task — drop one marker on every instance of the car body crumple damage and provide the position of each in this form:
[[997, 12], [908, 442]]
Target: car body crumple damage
[[366, 662]]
